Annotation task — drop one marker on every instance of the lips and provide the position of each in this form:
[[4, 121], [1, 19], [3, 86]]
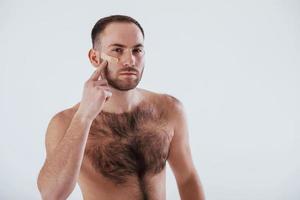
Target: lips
[[127, 73]]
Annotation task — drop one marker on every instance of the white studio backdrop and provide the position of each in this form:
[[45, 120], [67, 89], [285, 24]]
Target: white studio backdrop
[[233, 64]]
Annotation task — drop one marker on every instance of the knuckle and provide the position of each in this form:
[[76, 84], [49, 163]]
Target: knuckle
[[87, 82], [99, 88]]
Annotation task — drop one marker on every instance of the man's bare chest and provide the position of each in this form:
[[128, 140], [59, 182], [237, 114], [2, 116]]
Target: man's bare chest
[[129, 144]]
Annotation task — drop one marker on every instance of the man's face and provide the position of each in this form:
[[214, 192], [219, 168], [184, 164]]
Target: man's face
[[123, 41]]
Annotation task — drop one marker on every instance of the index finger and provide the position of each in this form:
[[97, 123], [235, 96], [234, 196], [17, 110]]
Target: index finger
[[97, 73]]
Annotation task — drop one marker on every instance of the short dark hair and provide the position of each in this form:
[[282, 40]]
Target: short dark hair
[[103, 22]]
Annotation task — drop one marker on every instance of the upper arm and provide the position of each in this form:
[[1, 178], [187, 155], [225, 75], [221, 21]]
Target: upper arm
[[180, 158], [55, 131]]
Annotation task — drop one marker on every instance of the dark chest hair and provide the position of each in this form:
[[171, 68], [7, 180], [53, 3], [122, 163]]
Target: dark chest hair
[[129, 144]]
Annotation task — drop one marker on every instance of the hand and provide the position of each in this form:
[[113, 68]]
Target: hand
[[95, 93]]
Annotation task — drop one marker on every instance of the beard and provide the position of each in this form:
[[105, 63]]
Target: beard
[[123, 84]]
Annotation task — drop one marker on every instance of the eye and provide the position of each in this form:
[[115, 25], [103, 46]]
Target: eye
[[138, 51], [118, 50]]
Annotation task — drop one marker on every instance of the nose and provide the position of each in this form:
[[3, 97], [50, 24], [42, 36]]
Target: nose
[[128, 59]]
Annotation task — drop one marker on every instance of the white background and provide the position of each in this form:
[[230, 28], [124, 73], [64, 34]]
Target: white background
[[233, 64]]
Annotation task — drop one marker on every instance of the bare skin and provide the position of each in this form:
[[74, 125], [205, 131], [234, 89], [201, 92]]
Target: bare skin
[[115, 143], [128, 151]]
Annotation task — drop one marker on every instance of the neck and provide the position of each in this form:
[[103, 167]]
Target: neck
[[122, 101]]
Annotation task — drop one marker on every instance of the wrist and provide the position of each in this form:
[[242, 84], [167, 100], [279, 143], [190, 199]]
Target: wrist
[[82, 118]]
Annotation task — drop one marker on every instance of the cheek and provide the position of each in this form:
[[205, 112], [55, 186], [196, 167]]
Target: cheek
[[140, 62], [110, 68]]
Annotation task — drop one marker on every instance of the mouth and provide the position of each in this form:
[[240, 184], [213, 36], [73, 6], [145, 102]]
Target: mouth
[[128, 73]]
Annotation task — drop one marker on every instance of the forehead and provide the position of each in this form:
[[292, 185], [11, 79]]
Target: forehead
[[124, 33]]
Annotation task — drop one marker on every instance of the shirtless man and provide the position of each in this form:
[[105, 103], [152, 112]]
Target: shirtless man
[[115, 142]]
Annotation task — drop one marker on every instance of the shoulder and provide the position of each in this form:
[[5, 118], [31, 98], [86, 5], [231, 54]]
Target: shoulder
[[174, 111], [64, 116], [174, 106], [57, 127], [166, 102]]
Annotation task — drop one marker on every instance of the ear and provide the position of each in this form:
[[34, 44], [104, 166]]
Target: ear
[[94, 57]]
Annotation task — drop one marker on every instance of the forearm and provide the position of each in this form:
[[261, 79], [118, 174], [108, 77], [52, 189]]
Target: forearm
[[59, 174], [191, 189]]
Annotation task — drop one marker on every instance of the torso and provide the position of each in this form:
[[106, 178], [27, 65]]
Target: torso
[[126, 154]]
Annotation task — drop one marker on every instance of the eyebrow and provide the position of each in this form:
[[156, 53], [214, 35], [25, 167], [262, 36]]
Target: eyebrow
[[121, 45]]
